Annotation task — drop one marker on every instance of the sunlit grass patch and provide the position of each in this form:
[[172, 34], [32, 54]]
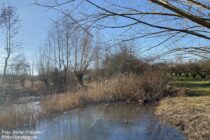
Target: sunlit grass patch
[[200, 91], [197, 86]]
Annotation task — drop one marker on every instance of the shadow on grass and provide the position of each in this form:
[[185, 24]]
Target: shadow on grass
[[197, 86], [190, 84], [195, 92]]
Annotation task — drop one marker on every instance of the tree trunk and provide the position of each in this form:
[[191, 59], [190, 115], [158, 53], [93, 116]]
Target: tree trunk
[[5, 69], [185, 14], [187, 75], [194, 75], [80, 78], [65, 79]]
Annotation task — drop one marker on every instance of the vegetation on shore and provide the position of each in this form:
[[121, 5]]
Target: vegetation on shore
[[189, 114], [127, 64], [125, 88], [147, 88], [11, 118], [197, 86]]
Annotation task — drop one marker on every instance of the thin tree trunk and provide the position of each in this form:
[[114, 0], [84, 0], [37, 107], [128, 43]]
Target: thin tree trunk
[[80, 79], [5, 69]]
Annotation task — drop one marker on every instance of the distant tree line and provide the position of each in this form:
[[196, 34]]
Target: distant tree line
[[201, 68]]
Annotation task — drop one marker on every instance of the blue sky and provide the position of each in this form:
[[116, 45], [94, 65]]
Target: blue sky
[[35, 23]]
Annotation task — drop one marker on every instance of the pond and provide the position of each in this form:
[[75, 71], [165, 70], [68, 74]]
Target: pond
[[105, 122]]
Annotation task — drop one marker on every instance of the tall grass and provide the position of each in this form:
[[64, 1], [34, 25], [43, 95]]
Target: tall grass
[[148, 88], [11, 118], [124, 88]]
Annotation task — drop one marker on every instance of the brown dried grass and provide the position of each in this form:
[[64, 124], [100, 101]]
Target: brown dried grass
[[191, 115], [124, 88], [10, 118]]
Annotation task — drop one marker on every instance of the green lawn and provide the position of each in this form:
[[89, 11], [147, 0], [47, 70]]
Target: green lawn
[[197, 86]]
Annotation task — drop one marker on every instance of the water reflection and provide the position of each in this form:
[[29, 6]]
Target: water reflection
[[106, 122]]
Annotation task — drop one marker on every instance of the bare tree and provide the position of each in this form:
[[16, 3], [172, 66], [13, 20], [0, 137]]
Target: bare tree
[[169, 20], [10, 25], [22, 69], [113, 63], [32, 70], [188, 11], [68, 49], [75, 48], [84, 52]]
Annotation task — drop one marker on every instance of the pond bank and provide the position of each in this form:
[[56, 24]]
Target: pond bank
[[191, 115], [149, 88]]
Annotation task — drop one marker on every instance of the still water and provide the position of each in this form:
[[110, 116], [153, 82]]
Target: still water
[[105, 122]]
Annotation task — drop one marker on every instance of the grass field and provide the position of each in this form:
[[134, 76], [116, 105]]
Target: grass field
[[197, 86], [190, 114]]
